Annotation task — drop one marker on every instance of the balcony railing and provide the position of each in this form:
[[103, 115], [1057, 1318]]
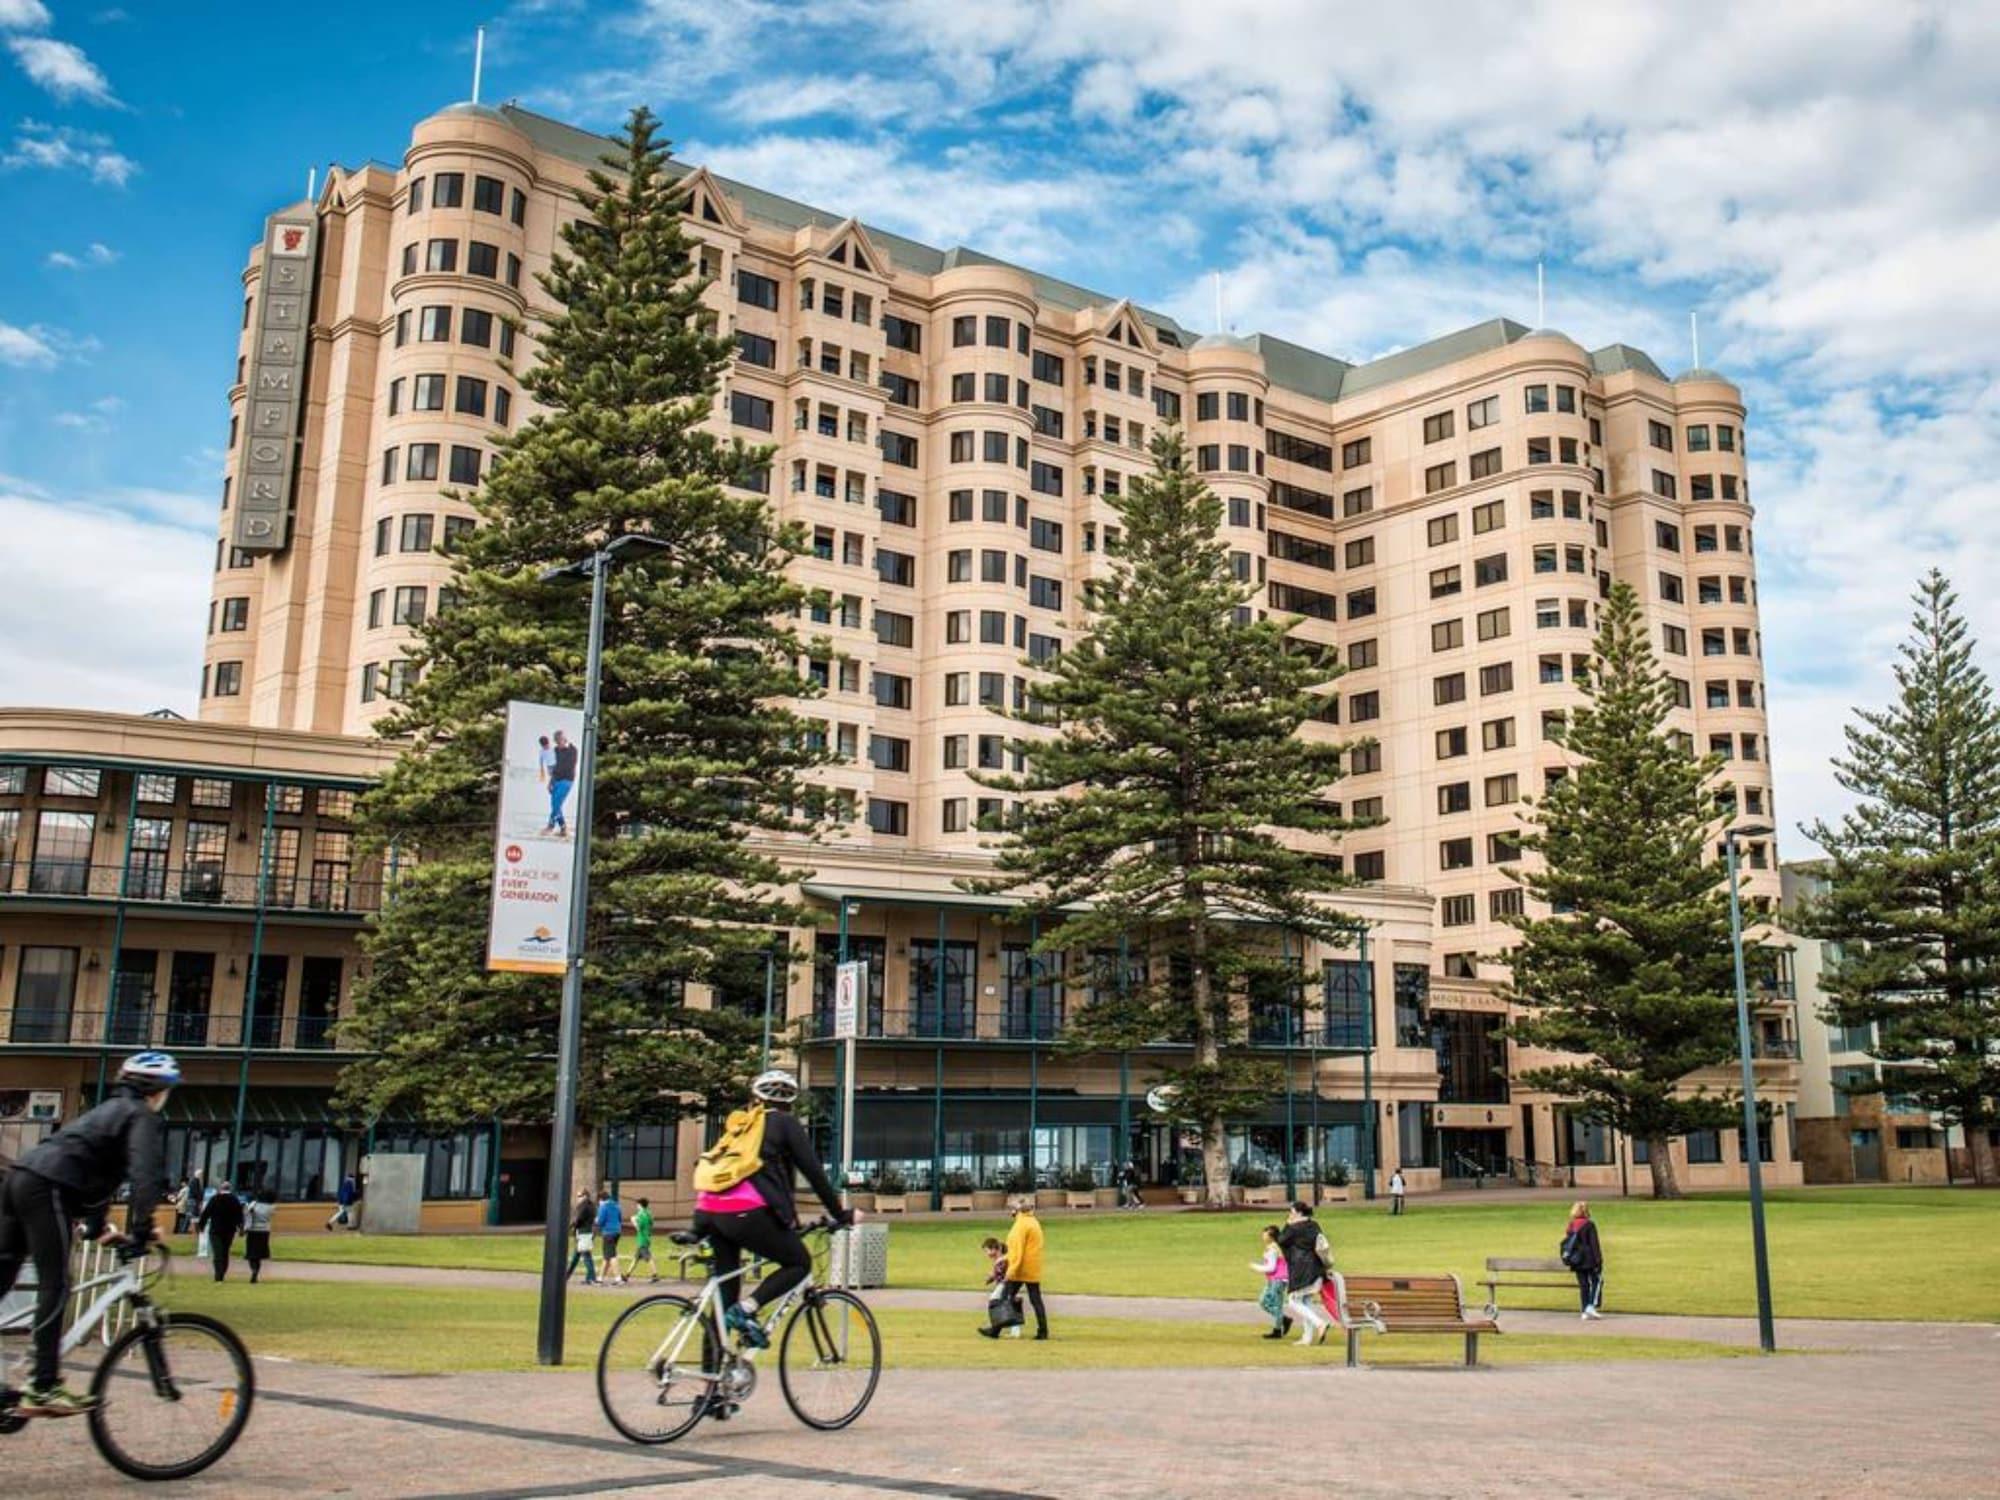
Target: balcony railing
[[140, 1026], [196, 885], [1047, 1021], [1781, 1049]]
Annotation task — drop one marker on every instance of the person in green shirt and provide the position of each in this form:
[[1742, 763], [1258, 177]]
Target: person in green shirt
[[642, 1225]]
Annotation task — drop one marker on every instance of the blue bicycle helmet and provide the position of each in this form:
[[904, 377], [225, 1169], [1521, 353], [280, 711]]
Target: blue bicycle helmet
[[151, 1071]]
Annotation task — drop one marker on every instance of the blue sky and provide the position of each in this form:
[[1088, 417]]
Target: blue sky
[[1816, 180]]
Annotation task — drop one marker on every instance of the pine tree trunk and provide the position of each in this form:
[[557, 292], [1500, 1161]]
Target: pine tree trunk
[[1207, 1053], [1662, 1164], [583, 1173]]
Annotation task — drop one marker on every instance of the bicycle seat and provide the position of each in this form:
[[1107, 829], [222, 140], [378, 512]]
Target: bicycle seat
[[687, 1237]]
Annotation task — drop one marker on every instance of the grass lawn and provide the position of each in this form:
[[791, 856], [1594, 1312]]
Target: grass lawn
[[1905, 1253], [417, 1329]]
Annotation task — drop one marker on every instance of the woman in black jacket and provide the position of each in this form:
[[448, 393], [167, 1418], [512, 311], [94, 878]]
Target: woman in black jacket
[[1582, 1253]]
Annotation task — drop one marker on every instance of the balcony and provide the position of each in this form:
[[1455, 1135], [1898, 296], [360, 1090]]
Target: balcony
[[138, 1026], [1045, 1021], [328, 894]]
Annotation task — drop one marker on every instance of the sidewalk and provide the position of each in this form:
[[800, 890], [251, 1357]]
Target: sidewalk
[[1793, 1333]]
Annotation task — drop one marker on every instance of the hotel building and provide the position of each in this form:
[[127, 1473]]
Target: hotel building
[[952, 431]]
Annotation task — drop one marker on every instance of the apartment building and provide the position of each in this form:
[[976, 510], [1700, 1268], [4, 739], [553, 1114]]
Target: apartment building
[[953, 431]]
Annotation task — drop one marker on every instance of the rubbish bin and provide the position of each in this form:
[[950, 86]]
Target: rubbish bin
[[860, 1257]]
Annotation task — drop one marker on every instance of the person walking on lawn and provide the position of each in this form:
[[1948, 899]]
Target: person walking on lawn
[[1273, 1298], [1583, 1253], [1397, 1188], [1305, 1270], [581, 1221], [257, 1214], [221, 1217], [343, 1202], [610, 1225], [1024, 1262], [642, 1246], [1003, 1315]]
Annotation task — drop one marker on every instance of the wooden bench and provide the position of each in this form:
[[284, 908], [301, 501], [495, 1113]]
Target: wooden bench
[[1531, 1274], [1408, 1304]]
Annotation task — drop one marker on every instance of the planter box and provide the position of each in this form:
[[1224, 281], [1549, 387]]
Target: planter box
[[1260, 1197], [1335, 1194], [892, 1203], [958, 1203], [1050, 1198], [863, 1201], [989, 1200], [1086, 1199], [1192, 1195]]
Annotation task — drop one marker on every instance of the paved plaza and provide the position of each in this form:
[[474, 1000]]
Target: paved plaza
[[1909, 1412]]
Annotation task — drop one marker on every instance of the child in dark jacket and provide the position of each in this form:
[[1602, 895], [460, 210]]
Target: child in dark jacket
[[1003, 1314]]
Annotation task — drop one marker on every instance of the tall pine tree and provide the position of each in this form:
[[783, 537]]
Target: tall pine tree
[[694, 755], [1913, 894], [1631, 976], [1170, 801]]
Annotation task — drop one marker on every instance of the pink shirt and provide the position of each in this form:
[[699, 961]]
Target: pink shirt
[[739, 1199]]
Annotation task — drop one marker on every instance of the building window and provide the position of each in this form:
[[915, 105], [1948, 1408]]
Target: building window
[[448, 190], [1449, 688], [1482, 413], [1440, 477], [1456, 911], [1489, 517], [1488, 570], [441, 256], [1447, 635], [1485, 464], [1455, 797], [888, 817], [409, 606], [756, 290], [1537, 398], [235, 614], [1455, 854], [228, 679], [1360, 552], [1497, 734], [1437, 427], [1497, 678], [1441, 529], [1493, 624], [1353, 455], [421, 462], [416, 533], [434, 325]]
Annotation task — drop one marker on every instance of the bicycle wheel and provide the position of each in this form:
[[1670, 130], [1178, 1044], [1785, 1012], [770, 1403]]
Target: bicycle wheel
[[172, 1398], [830, 1359], [657, 1368]]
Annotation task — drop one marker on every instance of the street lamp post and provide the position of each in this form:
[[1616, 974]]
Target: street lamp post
[[562, 1144], [1767, 1336]]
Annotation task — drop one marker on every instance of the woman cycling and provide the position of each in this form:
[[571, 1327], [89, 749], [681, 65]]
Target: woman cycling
[[757, 1214]]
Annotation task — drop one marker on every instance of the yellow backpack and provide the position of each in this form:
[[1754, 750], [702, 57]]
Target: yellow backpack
[[736, 1156]]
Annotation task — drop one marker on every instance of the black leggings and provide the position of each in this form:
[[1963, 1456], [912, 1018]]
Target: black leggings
[[1034, 1291], [1590, 1288], [760, 1232], [32, 1223]]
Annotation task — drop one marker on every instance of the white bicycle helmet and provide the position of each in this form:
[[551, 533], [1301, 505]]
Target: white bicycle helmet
[[775, 1087], [151, 1071]]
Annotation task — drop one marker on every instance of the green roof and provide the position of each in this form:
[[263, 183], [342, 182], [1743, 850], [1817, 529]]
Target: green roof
[[1290, 366]]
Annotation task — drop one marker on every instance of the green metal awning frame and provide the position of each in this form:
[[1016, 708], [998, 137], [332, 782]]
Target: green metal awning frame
[[215, 1104]]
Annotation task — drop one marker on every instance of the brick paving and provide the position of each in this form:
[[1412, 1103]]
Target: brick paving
[[1912, 1415]]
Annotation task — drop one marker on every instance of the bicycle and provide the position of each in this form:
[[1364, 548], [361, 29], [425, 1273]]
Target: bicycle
[[654, 1388], [194, 1368]]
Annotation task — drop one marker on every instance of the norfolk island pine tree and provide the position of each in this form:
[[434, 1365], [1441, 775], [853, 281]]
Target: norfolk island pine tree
[[696, 751], [1631, 974], [1168, 802], [1913, 877]]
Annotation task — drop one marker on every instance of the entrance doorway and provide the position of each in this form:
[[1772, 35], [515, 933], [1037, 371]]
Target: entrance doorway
[[1867, 1148], [1466, 1154], [524, 1185]]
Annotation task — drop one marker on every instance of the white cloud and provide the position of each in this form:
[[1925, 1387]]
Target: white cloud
[[61, 69], [25, 347], [95, 254], [62, 148], [23, 15], [96, 417], [131, 631]]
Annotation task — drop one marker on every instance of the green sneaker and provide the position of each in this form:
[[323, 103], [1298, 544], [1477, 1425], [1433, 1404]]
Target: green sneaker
[[56, 1401]]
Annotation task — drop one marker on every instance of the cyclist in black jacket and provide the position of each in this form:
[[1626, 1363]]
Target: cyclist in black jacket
[[74, 1174], [758, 1214]]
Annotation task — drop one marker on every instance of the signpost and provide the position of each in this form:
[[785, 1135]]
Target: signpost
[[534, 861], [849, 981]]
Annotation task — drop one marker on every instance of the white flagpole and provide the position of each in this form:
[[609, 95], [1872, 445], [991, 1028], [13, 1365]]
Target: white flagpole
[[478, 60]]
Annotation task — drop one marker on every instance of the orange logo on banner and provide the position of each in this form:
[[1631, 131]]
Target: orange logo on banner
[[513, 854]]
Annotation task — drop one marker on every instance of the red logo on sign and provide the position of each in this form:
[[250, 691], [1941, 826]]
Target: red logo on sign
[[513, 854], [292, 237]]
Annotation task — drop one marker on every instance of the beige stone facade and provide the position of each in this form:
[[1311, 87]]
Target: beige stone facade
[[950, 430]]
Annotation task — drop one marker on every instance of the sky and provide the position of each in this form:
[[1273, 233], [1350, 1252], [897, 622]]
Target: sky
[[1816, 181]]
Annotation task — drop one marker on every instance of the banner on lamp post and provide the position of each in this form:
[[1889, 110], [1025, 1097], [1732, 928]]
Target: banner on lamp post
[[848, 980], [533, 852]]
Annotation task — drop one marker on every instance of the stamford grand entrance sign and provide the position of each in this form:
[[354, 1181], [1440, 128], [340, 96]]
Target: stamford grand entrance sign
[[275, 384]]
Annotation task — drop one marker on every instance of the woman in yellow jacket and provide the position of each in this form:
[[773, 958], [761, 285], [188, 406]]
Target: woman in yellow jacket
[[1024, 1262]]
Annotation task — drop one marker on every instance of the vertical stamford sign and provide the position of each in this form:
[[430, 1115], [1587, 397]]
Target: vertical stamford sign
[[276, 383], [533, 852]]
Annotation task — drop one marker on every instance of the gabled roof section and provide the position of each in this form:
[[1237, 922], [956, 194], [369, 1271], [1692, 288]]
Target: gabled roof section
[[852, 245], [1614, 358], [710, 203], [1494, 333], [1122, 317]]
